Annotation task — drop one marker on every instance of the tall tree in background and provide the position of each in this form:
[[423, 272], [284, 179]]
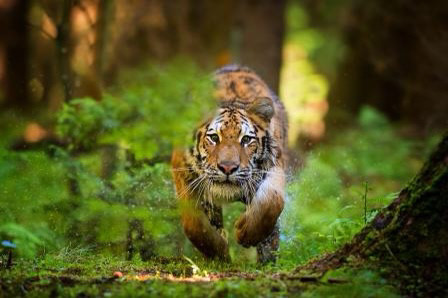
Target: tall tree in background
[[73, 46], [159, 30], [213, 33], [260, 26], [14, 51], [395, 61]]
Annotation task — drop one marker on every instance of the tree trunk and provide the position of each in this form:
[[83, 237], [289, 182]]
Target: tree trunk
[[64, 47], [161, 30], [394, 62], [14, 67], [409, 238], [260, 25], [105, 11]]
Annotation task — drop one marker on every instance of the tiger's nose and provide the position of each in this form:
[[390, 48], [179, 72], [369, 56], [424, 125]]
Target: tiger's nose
[[228, 167]]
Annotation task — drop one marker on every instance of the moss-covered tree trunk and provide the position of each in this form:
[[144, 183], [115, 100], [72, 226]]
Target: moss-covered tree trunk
[[409, 238]]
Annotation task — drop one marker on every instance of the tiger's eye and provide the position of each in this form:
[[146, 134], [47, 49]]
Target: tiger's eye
[[214, 137], [245, 140]]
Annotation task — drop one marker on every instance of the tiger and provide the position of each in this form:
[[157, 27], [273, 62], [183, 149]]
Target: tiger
[[238, 155]]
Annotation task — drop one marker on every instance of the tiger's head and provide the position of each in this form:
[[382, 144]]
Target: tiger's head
[[233, 149]]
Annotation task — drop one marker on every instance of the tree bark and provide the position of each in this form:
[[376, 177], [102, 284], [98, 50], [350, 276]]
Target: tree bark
[[409, 238]]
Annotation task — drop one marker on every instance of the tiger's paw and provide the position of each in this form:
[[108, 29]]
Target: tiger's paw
[[246, 233]]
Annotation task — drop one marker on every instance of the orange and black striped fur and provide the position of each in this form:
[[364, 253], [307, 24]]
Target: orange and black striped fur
[[239, 155]]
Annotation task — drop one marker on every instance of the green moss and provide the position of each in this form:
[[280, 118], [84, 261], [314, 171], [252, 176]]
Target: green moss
[[74, 272], [353, 283]]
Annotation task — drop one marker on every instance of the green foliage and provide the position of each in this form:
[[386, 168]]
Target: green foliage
[[31, 187], [110, 186], [326, 198], [82, 120], [362, 153], [156, 111], [27, 242], [323, 43]]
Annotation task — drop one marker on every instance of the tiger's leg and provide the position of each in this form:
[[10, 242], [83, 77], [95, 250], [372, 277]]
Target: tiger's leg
[[204, 236], [197, 226], [215, 216], [266, 249], [260, 217]]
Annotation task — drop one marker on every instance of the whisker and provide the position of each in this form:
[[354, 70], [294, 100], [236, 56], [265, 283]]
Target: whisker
[[191, 186]]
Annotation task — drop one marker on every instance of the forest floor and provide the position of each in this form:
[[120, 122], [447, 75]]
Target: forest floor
[[74, 274]]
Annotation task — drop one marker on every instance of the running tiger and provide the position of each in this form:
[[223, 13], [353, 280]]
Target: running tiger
[[238, 155]]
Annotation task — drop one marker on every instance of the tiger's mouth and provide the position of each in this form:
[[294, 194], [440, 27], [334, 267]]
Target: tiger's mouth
[[225, 190], [228, 180], [234, 180]]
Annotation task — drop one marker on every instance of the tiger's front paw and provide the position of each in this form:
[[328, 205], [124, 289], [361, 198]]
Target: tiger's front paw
[[246, 233]]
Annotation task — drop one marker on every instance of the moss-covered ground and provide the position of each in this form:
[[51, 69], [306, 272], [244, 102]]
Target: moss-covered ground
[[78, 273]]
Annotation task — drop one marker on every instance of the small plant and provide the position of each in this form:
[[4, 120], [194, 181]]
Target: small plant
[[6, 259], [365, 201]]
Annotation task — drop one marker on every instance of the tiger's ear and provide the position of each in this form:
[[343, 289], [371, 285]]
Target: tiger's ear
[[263, 107]]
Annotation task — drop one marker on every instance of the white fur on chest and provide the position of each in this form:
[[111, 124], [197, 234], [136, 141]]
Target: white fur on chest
[[273, 183]]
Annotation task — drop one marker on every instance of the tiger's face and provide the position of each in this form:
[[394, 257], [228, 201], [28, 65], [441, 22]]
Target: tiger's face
[[232, 147]]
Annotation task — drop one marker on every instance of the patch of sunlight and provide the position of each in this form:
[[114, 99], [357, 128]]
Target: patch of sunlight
[[304, 94], [302, 89]]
